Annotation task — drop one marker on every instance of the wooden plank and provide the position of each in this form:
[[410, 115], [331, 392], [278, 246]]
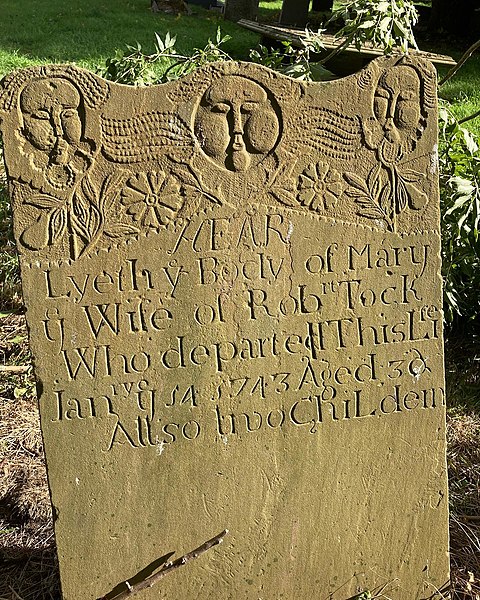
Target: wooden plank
[[297, 37]]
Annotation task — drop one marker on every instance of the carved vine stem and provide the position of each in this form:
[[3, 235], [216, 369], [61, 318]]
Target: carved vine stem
[[168, 568]]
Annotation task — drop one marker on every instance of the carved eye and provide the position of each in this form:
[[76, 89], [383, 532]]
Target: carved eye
[[221, 107], [248, 107], [41, 114], [69, 113]]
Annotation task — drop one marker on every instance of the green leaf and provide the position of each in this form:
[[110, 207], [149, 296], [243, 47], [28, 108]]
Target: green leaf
[[383, 6], [385, 24], [463, 186], [470, 142], [367, 25]]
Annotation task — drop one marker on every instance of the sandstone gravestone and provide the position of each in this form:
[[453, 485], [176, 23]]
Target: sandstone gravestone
[[234, 303]]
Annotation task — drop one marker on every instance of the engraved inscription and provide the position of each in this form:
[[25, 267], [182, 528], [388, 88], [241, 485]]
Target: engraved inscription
[[329, 327]]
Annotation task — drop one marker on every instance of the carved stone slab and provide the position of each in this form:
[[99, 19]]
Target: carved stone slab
[[234, 303]]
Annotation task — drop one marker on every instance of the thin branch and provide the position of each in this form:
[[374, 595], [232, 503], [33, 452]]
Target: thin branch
[[470, 117], [337, 50], [460, 63], [168, 568], [14, 368]]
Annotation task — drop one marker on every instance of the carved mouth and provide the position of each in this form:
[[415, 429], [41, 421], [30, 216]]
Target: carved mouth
[[238, 143]]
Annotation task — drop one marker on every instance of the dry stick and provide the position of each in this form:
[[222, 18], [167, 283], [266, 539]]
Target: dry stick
[[168, 568], [460, 63], [14, 369], [470, 117]]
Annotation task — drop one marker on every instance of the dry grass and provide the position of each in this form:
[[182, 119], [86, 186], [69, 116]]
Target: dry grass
[[28, 569], [464, 483]]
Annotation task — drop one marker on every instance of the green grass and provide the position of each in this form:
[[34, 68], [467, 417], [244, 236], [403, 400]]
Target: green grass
[[463, 92], [90, 31]]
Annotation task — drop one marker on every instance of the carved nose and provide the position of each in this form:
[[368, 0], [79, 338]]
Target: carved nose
[[57, 123], [389, 124], [238, 143]]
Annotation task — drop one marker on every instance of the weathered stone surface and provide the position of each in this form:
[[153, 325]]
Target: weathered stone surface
[[234, 304]]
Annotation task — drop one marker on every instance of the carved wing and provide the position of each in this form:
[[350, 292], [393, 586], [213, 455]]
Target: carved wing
[[328, 131], [144, 137]]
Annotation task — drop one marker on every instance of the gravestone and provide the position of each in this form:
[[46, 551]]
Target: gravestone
[[240, 9], [234, 300], [295, 13]]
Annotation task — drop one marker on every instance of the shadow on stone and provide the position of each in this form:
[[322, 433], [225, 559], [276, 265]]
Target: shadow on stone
[[140, 576]]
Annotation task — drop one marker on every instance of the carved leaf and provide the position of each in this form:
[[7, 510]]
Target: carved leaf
[[373, 181], [57, 225], [417, 199], [284, 196], [45, 201], [79, 228], [354, 193], [284, 171], [194, 194], [186, 175], [193, 184], [368, 208], [385, 199], [356, 182], [411, 176], [89, 191], [94, 223], [120, 230], [80, 212], [373, 199], [402, 195], [111, 186]]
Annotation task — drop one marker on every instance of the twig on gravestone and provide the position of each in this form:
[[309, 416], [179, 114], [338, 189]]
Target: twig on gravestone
[[168, 568]]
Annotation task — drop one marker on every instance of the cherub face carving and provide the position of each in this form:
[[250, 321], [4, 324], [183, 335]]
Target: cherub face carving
[[51, 133], [51, 121], [396, 105], [236, 123], [397, 122]]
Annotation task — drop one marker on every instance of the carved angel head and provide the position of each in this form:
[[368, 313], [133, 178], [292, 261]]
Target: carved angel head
[[49, 109], [399, 117], [236, 123], [52, 132]]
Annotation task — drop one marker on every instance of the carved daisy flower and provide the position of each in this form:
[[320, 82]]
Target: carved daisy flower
[[152, 199], [320, 186]]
